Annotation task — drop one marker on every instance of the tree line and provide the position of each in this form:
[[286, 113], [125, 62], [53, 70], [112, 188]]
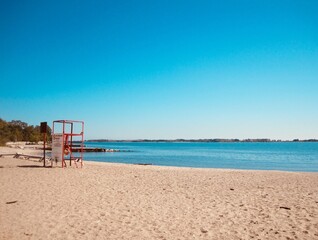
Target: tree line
[[17, 130]]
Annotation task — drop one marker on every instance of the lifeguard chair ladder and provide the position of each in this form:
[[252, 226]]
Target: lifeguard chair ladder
[[66, 128]]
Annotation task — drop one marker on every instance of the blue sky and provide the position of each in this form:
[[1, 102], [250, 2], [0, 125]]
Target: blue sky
[[163, 69]]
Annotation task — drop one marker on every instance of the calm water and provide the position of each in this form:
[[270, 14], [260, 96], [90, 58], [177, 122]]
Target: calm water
[[291, 156]]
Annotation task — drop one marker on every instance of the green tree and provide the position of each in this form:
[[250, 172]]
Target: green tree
[[17, 130]]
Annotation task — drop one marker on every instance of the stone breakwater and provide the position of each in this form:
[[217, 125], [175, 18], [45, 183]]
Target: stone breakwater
[[86, 149]]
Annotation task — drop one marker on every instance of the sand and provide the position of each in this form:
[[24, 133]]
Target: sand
[[118, 201]]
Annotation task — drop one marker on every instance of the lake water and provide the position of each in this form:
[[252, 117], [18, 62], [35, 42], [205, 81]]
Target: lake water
[[287, 156]]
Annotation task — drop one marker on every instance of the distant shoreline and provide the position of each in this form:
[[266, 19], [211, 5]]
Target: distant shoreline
[[216, 140]]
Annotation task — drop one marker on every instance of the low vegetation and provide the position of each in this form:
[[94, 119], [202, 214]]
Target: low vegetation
[[17, 130]]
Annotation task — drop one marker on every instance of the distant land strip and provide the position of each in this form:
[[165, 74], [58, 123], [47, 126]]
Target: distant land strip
[[204, 140]]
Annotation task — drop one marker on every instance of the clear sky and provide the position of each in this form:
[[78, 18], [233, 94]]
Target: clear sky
[[163, 69]]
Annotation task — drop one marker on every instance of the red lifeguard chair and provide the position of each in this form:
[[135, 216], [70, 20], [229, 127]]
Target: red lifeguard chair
[[67, 139]]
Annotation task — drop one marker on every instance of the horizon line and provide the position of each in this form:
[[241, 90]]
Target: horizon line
[[206, 140]]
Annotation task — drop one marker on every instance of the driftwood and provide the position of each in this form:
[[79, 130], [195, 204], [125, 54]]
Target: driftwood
[[287, 208], [143, 164], [7, 154]]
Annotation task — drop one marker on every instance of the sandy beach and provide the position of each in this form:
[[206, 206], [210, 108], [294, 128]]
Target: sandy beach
[[118, 201]]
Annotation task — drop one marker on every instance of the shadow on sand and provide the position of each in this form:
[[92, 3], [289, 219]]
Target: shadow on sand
[[30, 166]]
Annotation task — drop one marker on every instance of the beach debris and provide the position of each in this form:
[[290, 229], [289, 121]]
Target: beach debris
[[144, 164], [26, 156], [287, 208], [232, 189], [7, 154], [11, 202], [203, 230]]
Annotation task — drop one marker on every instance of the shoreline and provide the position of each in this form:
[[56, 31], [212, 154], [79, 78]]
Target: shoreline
[[33, 150], [194, 168]]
